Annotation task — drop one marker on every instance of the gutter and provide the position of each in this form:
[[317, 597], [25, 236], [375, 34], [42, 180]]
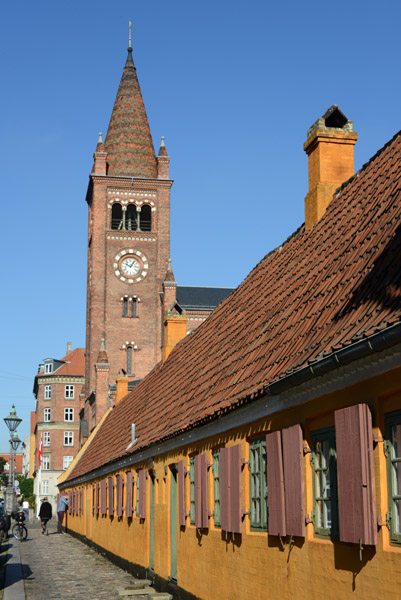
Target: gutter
[[361, 349], [375, 343]]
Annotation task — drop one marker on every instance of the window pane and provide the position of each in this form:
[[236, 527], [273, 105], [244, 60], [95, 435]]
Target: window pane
[[397, 440], [397, 516], [397, 478]]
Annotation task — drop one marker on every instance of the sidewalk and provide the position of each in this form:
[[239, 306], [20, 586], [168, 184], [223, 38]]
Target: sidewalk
[[59, 567]]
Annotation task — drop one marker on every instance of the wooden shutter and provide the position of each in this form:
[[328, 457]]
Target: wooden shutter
[[275, 484], [103, 497], [97, 497], [235, 488], [204, 492], [355, 473], [111, 496], [294, 480], [119, 496], [142, 494], [225, 508], [198, 492], [230, 489], [128, 498], [181, 493]]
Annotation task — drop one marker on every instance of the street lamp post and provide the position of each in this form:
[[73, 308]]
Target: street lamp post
[[12, 422]]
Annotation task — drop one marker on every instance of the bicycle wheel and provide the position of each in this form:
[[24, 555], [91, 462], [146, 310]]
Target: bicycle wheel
[[20, 532]]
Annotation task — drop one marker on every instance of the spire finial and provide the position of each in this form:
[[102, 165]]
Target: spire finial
[[129, 38]]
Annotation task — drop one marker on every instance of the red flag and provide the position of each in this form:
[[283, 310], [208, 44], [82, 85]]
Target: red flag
[[40, 451]]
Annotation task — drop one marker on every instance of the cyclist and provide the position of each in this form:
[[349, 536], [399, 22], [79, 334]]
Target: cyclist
[[45, 514]]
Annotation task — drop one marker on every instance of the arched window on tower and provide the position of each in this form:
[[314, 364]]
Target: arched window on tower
[[116, 216], [129, 360], [131, 218], [146, 218]]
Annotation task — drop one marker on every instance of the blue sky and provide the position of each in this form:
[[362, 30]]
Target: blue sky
[[232, 85]]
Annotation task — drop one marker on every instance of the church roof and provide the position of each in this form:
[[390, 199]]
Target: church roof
[[128, 141], [201, 298], [319, 294]]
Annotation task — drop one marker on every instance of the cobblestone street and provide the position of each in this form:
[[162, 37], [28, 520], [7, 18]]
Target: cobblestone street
[[59, 566]]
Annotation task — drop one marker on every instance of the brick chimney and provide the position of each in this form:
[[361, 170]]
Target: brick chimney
[[330, 149], [121, 385]]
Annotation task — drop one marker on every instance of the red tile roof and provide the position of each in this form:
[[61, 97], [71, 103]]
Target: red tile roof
[[74, 364], [320, 291]]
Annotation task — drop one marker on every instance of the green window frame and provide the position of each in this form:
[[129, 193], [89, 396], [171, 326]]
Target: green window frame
[[216, 488], [192, 490], [258, 485], [324, 480], [137, 495], [392, 447]]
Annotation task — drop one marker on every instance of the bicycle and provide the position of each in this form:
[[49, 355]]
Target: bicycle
[[19, 530]]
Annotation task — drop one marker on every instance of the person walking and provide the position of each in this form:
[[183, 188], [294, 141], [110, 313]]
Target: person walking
[[45, 514], [61, 509]]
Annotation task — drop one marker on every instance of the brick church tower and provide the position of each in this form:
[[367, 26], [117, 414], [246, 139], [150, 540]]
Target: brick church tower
[[128, 249]]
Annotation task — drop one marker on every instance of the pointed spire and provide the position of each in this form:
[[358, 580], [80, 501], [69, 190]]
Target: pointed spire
[[102, 356], [129, 142], [100, 145], [169, 273], [163, 149]]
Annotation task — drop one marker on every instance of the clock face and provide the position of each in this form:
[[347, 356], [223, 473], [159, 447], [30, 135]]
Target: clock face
[[130, 266]]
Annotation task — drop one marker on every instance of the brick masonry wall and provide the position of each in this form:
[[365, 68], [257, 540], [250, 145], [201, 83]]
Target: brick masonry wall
[[105, 290]]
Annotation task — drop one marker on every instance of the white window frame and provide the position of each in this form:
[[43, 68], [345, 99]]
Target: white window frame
[[68, 414], [69, 392], [48, 392], [46, 438], [46, 463], [67, 460], [47, 415], [68, 438]]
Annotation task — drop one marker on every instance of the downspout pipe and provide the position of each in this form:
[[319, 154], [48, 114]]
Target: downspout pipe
[[377, 342]]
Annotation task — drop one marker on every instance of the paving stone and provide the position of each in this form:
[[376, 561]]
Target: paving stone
[[60, 566]]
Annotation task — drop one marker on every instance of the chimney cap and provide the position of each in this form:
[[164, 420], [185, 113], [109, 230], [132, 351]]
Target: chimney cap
[[333, 118]]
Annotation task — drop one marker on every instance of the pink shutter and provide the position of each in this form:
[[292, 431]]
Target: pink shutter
[[111, 496], [275, 484], [181, 493], [355, 472], [235, 488], [225, 512], [128, 502], [103, 497], [119, 496], [294, 480], [204, 492], [97, 497], [198, 492], [142, 494]]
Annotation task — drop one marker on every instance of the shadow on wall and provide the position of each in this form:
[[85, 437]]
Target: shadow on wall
[[347, 558]]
